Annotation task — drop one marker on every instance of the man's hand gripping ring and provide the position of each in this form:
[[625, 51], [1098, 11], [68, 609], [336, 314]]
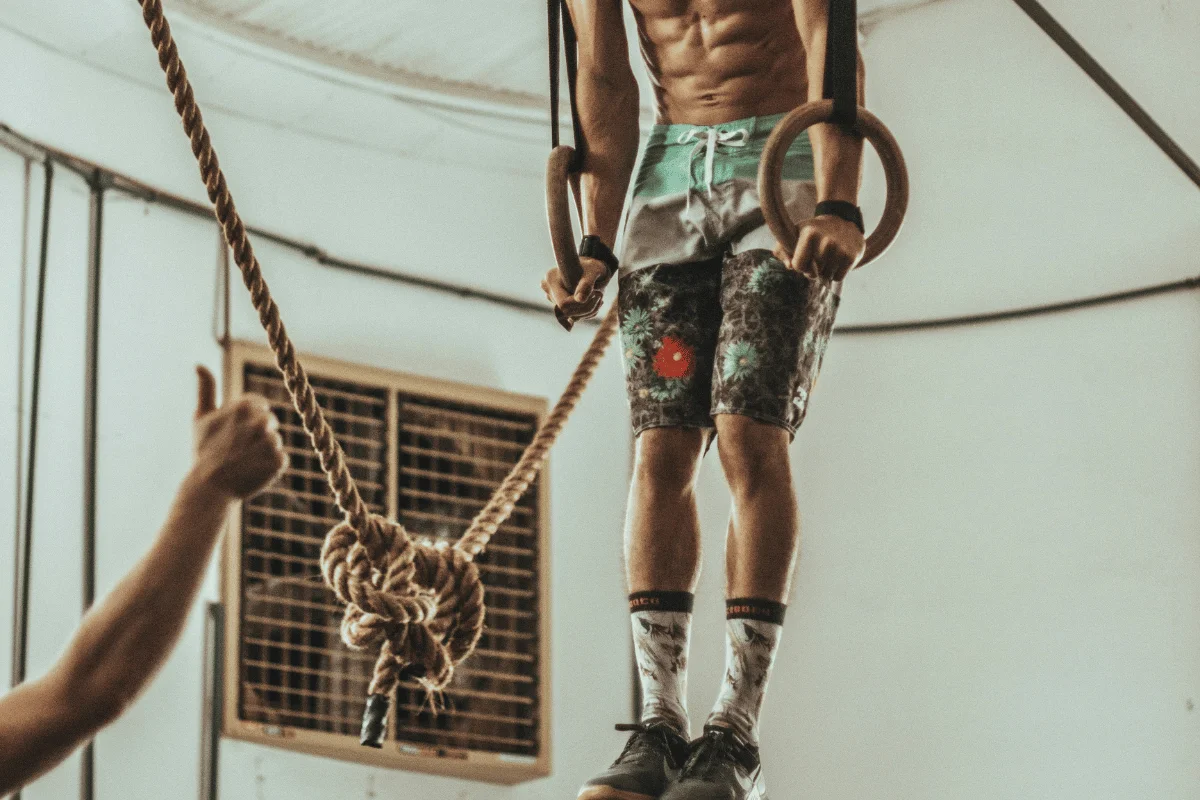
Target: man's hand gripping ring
[[562, 235], [770, 175]]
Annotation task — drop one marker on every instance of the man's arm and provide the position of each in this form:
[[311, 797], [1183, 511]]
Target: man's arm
[[123, 641], [608, 110], [607, 95], [838, 155], [830, 245]]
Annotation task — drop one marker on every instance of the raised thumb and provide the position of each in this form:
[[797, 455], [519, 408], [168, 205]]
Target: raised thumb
[[206, 392]]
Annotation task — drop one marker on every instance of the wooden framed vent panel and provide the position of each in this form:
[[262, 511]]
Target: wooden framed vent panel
[[428, 453]]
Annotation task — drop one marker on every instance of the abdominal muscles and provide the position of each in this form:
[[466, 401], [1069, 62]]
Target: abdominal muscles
[[712, 61]]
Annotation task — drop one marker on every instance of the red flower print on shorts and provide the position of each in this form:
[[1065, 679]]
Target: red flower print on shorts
[[674, 359]]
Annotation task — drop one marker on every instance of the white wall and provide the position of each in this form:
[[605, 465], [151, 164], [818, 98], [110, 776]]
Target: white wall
[[999, 595], [1004, 602], [999, 590]]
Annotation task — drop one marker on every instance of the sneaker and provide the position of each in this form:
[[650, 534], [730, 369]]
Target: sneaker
[[652, 756], [721, 767]]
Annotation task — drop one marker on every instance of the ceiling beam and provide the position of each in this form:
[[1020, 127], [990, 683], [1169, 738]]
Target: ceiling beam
[[1109, 85]]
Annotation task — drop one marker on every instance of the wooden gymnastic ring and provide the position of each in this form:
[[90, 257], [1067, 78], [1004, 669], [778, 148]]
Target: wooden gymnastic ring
[[559, 179], [770, 175], [558, 215]]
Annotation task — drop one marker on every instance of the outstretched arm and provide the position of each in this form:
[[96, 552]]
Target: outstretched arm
[[123, 641], [829, 245], [607, 93]]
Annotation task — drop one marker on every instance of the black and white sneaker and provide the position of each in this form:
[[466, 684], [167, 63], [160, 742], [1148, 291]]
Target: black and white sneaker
[[721, 767], [652, 756]]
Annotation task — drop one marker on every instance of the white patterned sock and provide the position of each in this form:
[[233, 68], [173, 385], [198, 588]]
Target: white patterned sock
[[750, 646], [660, 642]]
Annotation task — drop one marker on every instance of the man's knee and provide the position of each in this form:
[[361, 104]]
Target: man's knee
[[667, 459], [754, 455]]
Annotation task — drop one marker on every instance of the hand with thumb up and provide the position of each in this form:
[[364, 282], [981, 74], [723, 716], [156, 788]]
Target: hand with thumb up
[[239, 451]]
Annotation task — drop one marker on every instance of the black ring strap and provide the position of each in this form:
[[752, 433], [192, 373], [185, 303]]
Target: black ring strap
[[560, 25], [841, 61]]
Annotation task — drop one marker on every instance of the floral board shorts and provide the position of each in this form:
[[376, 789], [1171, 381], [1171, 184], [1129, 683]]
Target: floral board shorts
[[711, 322], [740, 334]]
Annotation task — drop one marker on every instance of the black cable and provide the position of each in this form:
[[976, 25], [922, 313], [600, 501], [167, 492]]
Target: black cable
[[18, 499], [553, 9], [1114, 90], [212, 695], [558, 15], [91, 396], [571, 55], [132, 187], [1020, 313], [25, 544], [841, 61], [116, 181], [220, 319]]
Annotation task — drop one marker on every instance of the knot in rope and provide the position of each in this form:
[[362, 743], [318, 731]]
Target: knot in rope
[[421, 604]]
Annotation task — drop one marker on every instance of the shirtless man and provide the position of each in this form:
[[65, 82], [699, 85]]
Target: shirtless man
[[126, 638], [721, 332]]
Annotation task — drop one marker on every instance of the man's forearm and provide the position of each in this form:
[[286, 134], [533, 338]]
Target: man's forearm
[[119, 647], [837, 155], [123, 641], [609, 115]]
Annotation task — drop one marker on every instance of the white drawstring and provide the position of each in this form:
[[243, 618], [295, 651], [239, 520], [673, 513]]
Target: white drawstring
[[707, 139]]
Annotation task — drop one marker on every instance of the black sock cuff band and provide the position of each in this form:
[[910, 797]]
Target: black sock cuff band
[[661, 601], [755, 608]]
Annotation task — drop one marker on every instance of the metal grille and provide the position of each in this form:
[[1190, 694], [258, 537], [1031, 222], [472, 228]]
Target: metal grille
[[452, 457], [294, 672]]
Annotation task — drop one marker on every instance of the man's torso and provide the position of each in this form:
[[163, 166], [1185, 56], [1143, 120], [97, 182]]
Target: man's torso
[[712, 61]]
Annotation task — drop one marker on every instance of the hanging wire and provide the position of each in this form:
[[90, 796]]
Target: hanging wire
[[25, 532], [116, 181], [221, 304], [22, 301]]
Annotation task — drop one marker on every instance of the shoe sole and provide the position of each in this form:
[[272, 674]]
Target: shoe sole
[[608, 793]]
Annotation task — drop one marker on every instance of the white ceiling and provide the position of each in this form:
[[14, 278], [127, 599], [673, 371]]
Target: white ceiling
[[476, 48], [456, 47]]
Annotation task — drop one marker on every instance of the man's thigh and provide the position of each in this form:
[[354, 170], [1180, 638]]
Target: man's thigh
[[775, 324], [670, 315]]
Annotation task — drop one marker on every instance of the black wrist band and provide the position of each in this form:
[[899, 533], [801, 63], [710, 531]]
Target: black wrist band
[[594, 247], [843, 210]]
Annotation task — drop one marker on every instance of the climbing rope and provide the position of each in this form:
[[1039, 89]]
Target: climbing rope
[[421, 605]]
